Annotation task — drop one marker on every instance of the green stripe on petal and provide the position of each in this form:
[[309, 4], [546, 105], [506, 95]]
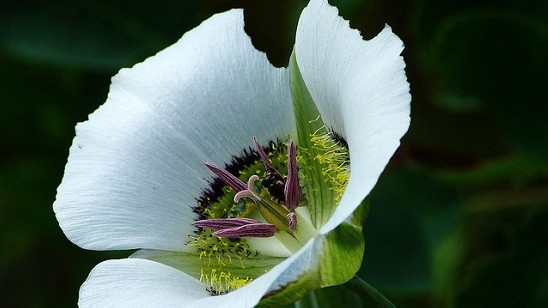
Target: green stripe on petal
[[321, 198], [190, 263]]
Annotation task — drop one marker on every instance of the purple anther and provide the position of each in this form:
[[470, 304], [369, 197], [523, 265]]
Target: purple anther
[[268, 165], [292, 189], [224, 223], [292, 219], [227, 177], [260, 230]]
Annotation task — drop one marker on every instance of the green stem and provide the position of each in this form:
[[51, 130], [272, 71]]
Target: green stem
[[368, 294]]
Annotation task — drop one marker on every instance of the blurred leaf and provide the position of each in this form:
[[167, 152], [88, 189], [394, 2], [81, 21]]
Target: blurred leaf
[[439, 137], [506, 260], [93, 34], [410, 215], [429, 14], [40, 106], [513, 279], [457, 103], [337, 296], [498, 57], [516, 170], [446, 265]]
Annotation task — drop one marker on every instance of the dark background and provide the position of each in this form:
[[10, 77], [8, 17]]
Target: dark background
[[457, 220]]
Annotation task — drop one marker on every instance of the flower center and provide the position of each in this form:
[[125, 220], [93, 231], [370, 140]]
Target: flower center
[[278, 211], [259, 195]]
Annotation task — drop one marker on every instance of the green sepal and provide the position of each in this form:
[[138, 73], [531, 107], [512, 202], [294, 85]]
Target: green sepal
[[360, 214], [344, 248], [338, 256]]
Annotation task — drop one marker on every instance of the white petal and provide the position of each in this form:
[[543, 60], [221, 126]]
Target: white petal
[[281, 275], [139, 283], [136, 167], [361, 91]]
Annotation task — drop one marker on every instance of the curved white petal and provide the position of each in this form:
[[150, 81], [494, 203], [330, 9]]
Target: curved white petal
[[281, 275], [138, 283], [361, 91], [136, 167]]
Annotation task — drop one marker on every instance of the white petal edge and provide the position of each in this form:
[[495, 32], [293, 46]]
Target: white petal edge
[[288, 271], [138, 283], [136, 167], [361, 91]]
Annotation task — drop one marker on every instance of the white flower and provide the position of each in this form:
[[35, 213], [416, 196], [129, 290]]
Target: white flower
[[136, 167]]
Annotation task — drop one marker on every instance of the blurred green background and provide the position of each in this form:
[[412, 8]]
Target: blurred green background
[[459, 218]]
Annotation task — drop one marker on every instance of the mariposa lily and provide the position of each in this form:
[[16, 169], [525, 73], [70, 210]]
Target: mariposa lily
[[237, 182]]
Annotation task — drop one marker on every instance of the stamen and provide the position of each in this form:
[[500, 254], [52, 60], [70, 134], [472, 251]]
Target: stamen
[[223, 223], [292, 190], [260, 230], [227, 177], [237, 227], [268, 165]]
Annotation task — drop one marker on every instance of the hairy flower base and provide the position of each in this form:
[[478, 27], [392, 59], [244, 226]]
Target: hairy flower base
[[257, 209]]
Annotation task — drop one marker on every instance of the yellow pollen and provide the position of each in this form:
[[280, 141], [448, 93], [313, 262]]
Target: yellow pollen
[[220, 282], [334, 159]]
